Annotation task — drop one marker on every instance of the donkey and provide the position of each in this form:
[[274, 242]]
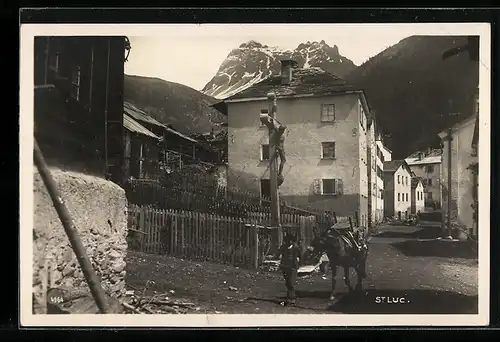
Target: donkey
[[342, 251]]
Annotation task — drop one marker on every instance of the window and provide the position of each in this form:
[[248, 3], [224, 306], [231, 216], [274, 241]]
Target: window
[[327, 113], [399, 197], [264, 152], [263, 111], [265, 188], [381, 194], [75, 83], [328, 150], [429, 168], [406, 180], [429, 195], [406, 197], [329, 186], [429, 181], [398, 180]]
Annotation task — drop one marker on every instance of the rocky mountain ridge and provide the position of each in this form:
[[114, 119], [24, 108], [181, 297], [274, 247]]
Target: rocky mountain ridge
[[252, 62]]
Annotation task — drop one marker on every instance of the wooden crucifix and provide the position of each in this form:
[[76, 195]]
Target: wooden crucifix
[[276, 148]]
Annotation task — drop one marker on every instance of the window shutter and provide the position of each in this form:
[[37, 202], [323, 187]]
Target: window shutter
[[317, 187], [339, 187]]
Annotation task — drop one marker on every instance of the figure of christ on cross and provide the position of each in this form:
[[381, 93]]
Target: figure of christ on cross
[[279, 141]]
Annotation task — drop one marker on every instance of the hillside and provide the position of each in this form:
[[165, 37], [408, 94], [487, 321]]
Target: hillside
[[252, 62], [185, 108], [415, 93]]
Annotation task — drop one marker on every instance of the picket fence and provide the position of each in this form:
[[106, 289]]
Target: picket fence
[[240, 242]]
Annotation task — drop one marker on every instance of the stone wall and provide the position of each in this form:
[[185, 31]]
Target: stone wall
[[98, 209]]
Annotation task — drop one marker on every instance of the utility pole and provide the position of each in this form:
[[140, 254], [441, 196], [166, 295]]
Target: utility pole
[[270, 121]]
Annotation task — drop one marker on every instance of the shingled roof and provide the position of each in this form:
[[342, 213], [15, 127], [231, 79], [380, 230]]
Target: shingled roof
[[415, 181], [393, 165], [140, 115], [135, 127], [304, 81]]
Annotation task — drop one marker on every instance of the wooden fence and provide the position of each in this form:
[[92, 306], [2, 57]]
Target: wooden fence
[[207, 199], [204, 236]]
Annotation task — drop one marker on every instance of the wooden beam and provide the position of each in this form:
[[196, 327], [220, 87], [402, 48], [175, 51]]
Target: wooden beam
[[273, 176]]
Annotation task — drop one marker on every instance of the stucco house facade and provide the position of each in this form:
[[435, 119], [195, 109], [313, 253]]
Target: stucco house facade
[[417, 195], [382, 154], [327, 140], [460, 143], [397, 183], [427, 166]]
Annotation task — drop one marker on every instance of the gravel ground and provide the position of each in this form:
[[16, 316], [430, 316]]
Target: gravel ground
[[429, 284]]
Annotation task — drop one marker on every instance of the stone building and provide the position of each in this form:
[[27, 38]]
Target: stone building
[[397, 183], [327, 141], [427, 165]]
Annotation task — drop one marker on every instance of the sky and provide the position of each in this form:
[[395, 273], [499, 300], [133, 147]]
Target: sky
[[191, 54]]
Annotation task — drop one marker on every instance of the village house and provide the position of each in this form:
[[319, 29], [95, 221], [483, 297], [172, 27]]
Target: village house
[[371, 172], [173, 150], [142, 150], [77, 69], [327, 141], [383, 154], [427, 165], [215, 151], [397, 187], [79, 125], [214, 144], [463, 168], [417, 195]]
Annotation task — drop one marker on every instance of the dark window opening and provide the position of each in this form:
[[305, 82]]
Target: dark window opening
[[328, 150], [265, 152], [265, 188], [329, 186]]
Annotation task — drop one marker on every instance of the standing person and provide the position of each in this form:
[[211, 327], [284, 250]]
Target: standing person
[[290, 261]]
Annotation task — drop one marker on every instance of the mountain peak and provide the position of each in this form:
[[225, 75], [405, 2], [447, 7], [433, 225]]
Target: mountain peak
[[253, 61], [252, 44]]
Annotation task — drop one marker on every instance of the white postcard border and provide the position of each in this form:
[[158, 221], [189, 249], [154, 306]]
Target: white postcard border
[[27, 319]]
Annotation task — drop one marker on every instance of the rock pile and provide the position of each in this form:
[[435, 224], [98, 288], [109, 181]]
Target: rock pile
[[107, 257]]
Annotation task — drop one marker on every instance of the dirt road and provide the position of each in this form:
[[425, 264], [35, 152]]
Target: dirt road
[[427, 276]]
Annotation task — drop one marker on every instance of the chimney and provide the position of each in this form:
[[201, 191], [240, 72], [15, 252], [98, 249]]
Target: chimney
[[286, 70], [419, 155]]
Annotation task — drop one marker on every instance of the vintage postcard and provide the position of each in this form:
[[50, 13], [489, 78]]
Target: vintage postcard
[[255, 175]]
